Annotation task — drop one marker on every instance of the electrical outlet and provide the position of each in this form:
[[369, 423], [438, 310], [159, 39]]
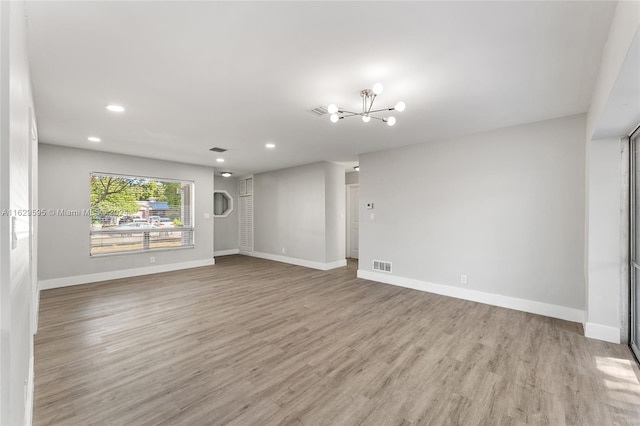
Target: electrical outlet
[[152, 259], [463, 279]]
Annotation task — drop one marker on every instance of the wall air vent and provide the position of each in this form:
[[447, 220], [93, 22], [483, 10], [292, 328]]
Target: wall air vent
[[321, 110], [379, 265], [217, 149]]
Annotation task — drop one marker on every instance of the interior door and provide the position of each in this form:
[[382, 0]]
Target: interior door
[[354, 226]]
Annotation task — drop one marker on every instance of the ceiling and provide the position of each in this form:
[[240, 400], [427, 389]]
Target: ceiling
[[194, 75], [623, 105]]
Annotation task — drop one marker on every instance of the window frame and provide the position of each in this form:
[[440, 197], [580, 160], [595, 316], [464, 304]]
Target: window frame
[[229, 197], [189, 231]]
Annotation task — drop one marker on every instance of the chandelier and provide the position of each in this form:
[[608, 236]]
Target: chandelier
[[368, 97]]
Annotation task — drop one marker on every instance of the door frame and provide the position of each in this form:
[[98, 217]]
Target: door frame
[[634, 140], [348, 216]]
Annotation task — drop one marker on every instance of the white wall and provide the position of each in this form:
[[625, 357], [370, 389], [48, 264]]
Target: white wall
[[64, 184], [290, 215], [17, 154], [505, 207], [226, 237], [613, 113], [605, 176]]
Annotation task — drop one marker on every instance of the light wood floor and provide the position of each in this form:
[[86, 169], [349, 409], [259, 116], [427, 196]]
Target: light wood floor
[[254, 342]]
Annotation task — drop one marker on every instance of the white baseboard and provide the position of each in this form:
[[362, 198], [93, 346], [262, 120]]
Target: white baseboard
[[602, 332], [122, 273], [225, 252], [555, 311], [28, 404], [299, 262]]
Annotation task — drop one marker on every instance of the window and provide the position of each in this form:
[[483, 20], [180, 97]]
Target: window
[[634, 177], [132, 214], [222, 203]]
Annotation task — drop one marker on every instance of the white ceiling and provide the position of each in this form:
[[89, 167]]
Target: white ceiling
[[623, 105], [193, 75]]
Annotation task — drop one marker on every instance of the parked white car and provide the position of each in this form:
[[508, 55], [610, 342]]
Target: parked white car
[[165, 222], [133, 226]]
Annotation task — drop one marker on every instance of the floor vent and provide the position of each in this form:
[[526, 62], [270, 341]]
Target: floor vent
[[217, 149], [381, 266], [321, 110]]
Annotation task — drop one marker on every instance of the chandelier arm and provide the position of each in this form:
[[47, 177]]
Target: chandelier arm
[[368, 99], [373, 98], [383, 110]]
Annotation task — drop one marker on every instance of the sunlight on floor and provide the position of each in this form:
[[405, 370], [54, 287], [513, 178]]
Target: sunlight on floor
[[620, 379], [618, 369]]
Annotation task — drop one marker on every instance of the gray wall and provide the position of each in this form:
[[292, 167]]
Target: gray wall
[[289, 212], [505, 207], [335, 209], [18, 155], [64, 184], [291, 207], [226, 228]]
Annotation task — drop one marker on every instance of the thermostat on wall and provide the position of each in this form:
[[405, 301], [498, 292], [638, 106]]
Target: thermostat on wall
[[369, 206]]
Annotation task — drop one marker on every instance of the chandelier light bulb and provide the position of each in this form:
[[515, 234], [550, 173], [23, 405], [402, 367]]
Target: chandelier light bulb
[[334, 118], [400, 106], [366, 118], [391, 121], [377, 88], [332, 108]]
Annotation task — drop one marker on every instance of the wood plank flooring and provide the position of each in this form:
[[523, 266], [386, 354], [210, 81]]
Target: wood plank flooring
[[254, 342]]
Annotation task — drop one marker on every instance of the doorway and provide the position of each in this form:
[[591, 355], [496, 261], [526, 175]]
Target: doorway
[[353, 225]]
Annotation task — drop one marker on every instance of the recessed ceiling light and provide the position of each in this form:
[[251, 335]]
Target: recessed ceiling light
[[225, 174], [115, 108], [220, 160], [270, 145], [93, 139]]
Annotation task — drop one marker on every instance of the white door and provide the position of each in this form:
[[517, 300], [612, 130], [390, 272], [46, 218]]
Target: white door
[[246, 223], [245, 215], [354, 227]]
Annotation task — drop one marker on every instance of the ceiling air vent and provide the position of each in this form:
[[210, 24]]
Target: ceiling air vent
[[379, 265], [216, 149], [321, 110]]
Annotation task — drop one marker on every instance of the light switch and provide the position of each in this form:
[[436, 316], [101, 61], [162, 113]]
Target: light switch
[[369, 206], [207, 215]]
